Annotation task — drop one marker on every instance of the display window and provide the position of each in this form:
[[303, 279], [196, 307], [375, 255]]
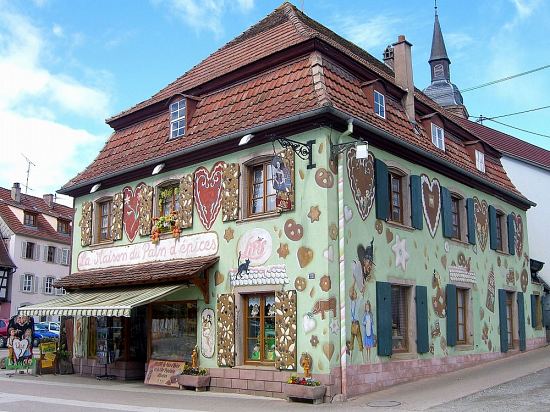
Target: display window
[[173, 330], [260, 328]]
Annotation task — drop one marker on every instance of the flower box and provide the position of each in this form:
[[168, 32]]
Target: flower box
[[199, 382], [313, 393]]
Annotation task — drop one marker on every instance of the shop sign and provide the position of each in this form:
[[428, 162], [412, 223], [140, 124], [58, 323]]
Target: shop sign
[[47, 356], [255, 245], [160, 372], [186, 247], [282, 201], [281, 175]]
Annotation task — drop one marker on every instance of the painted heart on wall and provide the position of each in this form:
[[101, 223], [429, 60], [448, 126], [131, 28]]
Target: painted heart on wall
[[131, 211], [361, 181], [518, 221], [208, 190], [19, 348], [481, 209], [431, 202]]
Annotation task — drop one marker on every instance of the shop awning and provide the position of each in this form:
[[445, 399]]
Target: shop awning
[[100, 302]]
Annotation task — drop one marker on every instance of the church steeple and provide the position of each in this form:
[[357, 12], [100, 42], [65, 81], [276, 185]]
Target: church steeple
[[441, 89]]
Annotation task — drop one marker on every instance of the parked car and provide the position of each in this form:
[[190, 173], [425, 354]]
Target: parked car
[[51, 326], [41, 332], [3, 332]]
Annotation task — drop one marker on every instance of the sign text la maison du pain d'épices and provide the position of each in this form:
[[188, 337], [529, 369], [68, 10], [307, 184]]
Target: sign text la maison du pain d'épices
[[186, 247]]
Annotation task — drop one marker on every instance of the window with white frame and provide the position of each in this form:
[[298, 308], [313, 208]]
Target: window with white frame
[[438, 137], [48, 285], [379, 104], [65, 256], [28, 283], [30, 250], [177, 118], [480, 161], [60, 291]]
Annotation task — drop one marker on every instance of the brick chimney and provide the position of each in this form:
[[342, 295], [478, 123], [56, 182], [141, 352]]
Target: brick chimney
[[48, 199], [16, 192], [402, 66]]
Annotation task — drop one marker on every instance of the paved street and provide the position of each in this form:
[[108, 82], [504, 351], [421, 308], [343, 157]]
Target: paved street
[[518, 383]]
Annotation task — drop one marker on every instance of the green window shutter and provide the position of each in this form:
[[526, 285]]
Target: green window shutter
[[533, 311], [502, 320], [382, 195], [450, 292], [416, 202], [384, 318], [470, 215], [493, 227], [521, 321], [511, 234], [422, 337], [446, 212]]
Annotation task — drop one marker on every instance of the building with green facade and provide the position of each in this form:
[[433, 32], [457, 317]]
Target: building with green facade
[[293, 197]]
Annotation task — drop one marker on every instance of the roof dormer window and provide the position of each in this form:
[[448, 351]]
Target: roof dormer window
[[480, 161], [29, 219], [177, 118], [438, 137], [379, 104]]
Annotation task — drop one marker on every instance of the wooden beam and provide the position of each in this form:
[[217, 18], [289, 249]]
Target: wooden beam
[[202, 284]]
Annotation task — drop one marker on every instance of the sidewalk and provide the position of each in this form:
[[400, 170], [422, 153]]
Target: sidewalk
[[426, 393]]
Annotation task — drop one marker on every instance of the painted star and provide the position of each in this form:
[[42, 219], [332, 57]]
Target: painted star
[[228, 235], [334, 326], [314, 214], [400, 251], [283, 250]]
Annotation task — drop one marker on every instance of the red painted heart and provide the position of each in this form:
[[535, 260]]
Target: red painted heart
[[131, 211], [519, 235], [431, 202], [361, 181], [208, 190]]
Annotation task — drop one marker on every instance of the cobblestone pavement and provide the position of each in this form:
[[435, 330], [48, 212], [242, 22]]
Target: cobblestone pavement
[[529, 393]]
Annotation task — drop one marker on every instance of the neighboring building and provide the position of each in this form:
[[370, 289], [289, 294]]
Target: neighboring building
[[529, 168], [37, 234], [7, 267], [238, 210]]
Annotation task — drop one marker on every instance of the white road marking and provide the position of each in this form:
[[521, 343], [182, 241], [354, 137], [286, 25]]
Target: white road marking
[[4, 398]]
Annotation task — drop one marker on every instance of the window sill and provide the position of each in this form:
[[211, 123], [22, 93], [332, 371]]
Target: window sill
[[404, 356], [258, 366], [459, 241], [464, 347], [270, 215], [99, 244], [502, 252], [400, 225]]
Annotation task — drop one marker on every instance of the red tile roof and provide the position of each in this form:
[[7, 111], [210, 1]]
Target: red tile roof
[[289, 89], [43, 229], [144, 274], [509, 145], [5, 259]]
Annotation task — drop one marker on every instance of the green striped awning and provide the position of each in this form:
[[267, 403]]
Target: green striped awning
[[100, 302]]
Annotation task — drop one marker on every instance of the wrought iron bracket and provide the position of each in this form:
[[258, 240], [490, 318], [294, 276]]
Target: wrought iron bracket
[[336, 149], [303, 150]]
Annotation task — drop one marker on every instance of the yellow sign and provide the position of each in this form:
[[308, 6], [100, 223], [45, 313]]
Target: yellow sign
[[48, 347], [47, 357], [159, 372]]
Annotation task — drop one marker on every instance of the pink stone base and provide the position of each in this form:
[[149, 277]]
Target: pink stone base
[[199, 383], [312, 393]]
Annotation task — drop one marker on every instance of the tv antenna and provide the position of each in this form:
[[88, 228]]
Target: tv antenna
[[29, 164]]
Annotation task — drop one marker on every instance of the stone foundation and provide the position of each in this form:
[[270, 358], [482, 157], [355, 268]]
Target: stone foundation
[[121, 369]]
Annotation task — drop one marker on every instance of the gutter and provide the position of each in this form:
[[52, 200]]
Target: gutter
[[344, 116], [199, 146]]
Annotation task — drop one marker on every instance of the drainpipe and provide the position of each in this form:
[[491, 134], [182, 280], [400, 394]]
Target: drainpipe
[[341, 261]]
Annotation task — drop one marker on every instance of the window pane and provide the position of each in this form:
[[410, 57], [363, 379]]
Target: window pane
[[258, 175], [258, 206], [258, 190], [269, 339], [271, 203]]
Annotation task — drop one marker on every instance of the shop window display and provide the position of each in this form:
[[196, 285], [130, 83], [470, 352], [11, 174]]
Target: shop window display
[[173, 330], [260, 328]]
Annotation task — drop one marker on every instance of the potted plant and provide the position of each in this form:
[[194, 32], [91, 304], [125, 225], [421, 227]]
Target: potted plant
[[197, 378], [304, 387], [64, 362]]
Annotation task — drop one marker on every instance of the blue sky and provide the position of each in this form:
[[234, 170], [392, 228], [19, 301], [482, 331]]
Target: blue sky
[[65, 66]]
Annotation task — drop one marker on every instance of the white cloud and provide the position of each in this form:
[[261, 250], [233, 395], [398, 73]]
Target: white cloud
[[371, 34], [33, 101], [458, 40], [206, 14], [524, 9], [22, 55], [57, 30], [55, 149]]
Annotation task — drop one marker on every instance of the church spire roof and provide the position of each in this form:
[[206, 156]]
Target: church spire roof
[[439, 52]]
